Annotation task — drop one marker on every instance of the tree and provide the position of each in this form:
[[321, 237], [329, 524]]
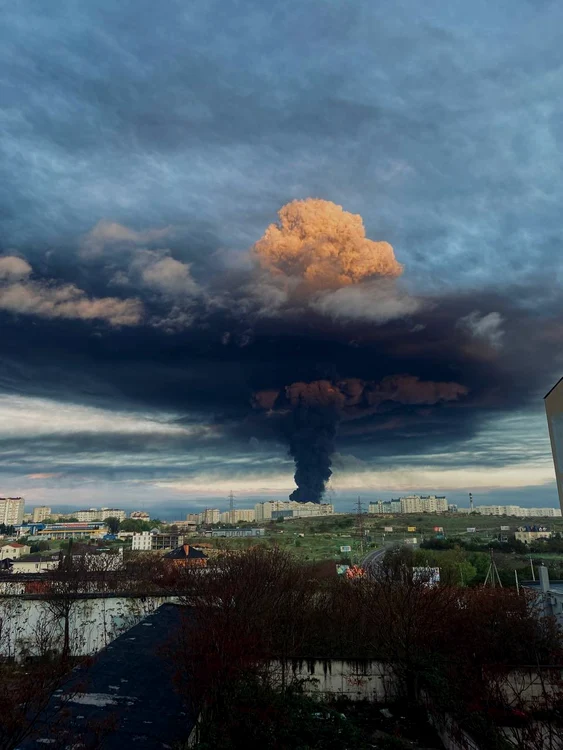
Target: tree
[[112, 523]]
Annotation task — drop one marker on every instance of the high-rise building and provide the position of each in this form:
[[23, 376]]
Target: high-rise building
[[11, 510], [554, 411], [40, 513], [210, 515], [121, 515], [238, 515]]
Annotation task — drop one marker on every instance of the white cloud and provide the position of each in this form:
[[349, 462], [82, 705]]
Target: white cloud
[[108, 234], [22, 416], [67, 301], [13, 268], [169, 276], [487, 328], [377, 302]]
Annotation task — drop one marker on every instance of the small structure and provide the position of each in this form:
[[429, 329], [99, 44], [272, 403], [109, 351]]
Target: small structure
[[36, 563], [187, 555], [549, 594]]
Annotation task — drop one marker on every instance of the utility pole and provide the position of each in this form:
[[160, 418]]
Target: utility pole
[[232, 508], [493, 578], [360, 524]]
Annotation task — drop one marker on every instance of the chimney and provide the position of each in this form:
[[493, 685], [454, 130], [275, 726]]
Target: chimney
[[544, 579], [186, 549]]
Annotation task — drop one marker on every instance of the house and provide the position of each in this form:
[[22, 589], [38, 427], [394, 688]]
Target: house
[[187, 555], [36, 563], [14, 550], [528, 534]]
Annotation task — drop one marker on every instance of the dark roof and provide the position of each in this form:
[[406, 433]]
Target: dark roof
[[37, 557], [554, 387], [180, 553], [130, 687]]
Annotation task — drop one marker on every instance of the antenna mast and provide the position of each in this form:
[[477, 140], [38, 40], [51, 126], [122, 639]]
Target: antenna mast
[[232, 508]]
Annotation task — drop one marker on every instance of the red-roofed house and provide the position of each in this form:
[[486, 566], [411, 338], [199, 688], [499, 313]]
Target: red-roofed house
[[14, 550]]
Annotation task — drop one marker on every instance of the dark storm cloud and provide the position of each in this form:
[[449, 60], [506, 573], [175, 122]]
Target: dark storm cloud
[[183, 128]]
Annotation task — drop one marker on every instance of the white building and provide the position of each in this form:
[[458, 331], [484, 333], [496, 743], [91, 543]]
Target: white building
[[40, 513], [289, 508], [147, 541], [517, 511], [121, 515], [87, 516], [423, 504], [139, 515], [210, 515], [13, 551], [528, 534], [247, 515], [11, 510]]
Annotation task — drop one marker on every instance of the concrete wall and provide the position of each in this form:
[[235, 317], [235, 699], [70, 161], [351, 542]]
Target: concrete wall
[[30, 626], [354, 680]]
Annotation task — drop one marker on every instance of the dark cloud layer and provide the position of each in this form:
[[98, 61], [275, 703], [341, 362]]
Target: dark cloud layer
[[144, 149]]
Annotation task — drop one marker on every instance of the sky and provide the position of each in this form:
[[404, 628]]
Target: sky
[[162, 346]]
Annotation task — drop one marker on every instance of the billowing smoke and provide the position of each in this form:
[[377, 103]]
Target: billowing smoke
[[320, 244], [310, 413]]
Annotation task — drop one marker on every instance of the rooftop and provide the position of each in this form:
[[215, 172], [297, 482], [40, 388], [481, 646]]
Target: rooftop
[[129, 689]]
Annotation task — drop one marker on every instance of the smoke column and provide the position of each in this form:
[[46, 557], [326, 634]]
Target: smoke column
[[311, 443]]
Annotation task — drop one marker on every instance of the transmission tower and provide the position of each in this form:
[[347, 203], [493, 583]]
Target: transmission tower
[[360, 533], [232, 508], [492, 578]]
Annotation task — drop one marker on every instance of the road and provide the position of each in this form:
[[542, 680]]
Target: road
[[371, 560]]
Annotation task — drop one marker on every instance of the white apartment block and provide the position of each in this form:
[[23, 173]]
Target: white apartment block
[[11, 510], [264, 511], [209, 515], [239, 514], [146, 541], [40, 513], [423, 504], [121, 515], [516, 510], [99, 514]]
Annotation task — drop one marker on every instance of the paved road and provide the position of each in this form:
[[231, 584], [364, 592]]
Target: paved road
[[371, 560]]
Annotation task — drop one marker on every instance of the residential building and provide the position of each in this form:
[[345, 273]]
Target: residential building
[[209, 516], [121, 515], [517, 511], [528, 534], [271, 509], [87, 516], [73, 530], [554, 412], [36, 563], [11, 510], [149, 541], [187, 555], [423, 504], [40, 513], [238, 515], [13, 551], [139, 515], [236, 532], [193, 518]]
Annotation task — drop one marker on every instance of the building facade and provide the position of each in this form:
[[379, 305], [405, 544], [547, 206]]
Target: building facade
[[238, 515], [554, 412], [236, 532], [529, 534], [11, 510], [73, 530], [411, 504], [40, 513], [290, 509], [517, 511], [149, 541], [14, 551]]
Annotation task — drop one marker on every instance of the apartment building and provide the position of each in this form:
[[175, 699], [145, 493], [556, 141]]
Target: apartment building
[[100, 514], [11, 510], [246, 515], [516, 510], [40, 513], [273, 509], [411, 504], [209, 515], [148, 541]]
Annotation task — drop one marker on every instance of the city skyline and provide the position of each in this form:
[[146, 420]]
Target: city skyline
[[161, 319]]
